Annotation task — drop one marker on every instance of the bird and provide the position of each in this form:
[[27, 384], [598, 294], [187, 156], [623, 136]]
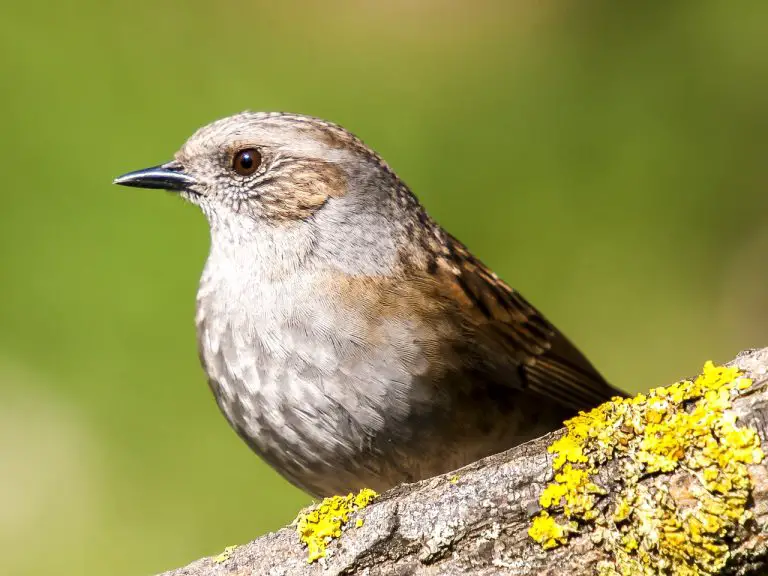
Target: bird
[[347, 338]]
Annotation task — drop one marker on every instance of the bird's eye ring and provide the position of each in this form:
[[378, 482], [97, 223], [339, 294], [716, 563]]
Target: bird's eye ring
[[246, 162]]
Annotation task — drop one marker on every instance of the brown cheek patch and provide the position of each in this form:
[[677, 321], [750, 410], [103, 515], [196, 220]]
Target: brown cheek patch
[[304, 190]]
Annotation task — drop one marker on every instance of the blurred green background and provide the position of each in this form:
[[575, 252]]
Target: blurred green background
[[608, 159]]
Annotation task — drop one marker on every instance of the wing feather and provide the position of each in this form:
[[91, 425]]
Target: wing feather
[[551, 366]]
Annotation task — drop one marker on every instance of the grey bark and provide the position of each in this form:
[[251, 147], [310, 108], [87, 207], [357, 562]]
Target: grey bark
[[478, 524]]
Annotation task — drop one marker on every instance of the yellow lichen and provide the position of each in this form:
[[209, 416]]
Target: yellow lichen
[[622, 509], [548, 532], [647, 528], [320, 524], [225, 555], [566, 449]]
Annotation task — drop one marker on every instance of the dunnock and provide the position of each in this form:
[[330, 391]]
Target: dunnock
[[348, 338]]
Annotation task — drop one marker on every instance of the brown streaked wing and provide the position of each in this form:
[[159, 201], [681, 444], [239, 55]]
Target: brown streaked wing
[[552, 367]]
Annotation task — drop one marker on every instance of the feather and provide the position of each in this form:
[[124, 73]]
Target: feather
[[551, 367]]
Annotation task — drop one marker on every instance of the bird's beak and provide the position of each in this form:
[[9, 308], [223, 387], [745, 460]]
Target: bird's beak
[[170, 176]]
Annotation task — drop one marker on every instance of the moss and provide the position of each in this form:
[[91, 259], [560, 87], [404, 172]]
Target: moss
[[321, 524], [650, 528]]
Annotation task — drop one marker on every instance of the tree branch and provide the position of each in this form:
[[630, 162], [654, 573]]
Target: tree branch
[[476, 521]]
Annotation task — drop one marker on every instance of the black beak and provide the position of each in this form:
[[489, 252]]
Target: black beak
[[168, 176]]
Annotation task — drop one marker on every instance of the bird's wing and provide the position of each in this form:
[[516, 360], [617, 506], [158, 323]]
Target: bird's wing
[[550, 366]]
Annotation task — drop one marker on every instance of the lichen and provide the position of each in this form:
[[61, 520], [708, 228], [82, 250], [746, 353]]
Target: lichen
[[225, 555], [649, 528], [548, 532], [320, 524]]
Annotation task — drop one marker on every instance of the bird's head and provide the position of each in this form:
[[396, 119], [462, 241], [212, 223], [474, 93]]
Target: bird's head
[[273, 168]]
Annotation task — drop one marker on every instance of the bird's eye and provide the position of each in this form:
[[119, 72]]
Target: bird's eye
[[247, 161]]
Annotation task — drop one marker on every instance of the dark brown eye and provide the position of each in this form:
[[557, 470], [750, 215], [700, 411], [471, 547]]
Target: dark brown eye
[[246, 162]]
